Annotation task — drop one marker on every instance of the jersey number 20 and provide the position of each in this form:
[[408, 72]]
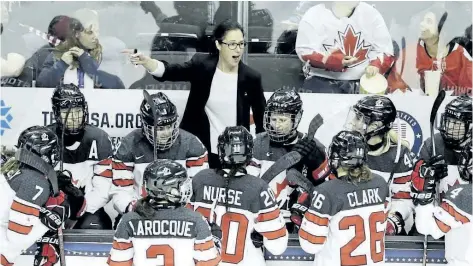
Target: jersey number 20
[[356, 221]]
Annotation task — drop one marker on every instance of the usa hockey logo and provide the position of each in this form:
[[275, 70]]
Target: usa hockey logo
[[410, 131], [6, 117]]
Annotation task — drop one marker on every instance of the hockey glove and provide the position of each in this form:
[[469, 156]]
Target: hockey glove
[[55, 212], [47, 250], [313, 158], [299, 208], [257, 239], [423, 183], [395, 225], [216, 236], [75, 196]]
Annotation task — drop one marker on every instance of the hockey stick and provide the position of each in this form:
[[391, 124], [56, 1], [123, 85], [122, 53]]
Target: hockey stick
[[403, 49], [433, 114], [150, 102], [291, 158]]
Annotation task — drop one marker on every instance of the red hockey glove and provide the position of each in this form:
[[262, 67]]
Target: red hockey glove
[[47, 250], [55, 212], [424, 177], [395, 224]]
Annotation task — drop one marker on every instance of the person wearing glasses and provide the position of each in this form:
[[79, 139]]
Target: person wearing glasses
[[222, 87]]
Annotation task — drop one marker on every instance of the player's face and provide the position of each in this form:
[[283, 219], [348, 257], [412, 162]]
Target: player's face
[[281, 123], [455, 128], [428, 26], [356, 122], [231, 48], [164, 134], [74, 119]]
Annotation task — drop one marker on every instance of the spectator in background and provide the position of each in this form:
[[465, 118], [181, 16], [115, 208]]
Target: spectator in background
[[222, 87], [341, 43], [76, 61], [436, 51], [151, 7]]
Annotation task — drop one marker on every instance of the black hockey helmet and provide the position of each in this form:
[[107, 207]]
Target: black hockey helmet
[[167, 180], [235, 146], [286, 102], [348, 149], [368, 110], [42, 142], [166, 121], [465, 163], [68, 98], [455, 122]]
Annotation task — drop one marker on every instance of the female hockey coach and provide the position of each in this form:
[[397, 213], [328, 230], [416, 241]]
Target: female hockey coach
[[222, 87]]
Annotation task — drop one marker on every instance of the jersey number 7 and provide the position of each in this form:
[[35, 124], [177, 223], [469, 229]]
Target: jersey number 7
[[235, 225], [356, 221]]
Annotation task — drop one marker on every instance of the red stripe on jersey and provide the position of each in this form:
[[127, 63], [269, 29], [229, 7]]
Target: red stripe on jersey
[[107, 161], [204, 246], [402, 179], [190, 206], [198, 162], [451, 210], [120, 166], [275, 234], [316, 219], [119, 263], [442, 226], [311, 238], [25, 209], [123, 182], [18, 228], [4, 261], [212, 262], [121, 245], [263, 217], [321, 170], [107, 174], [402, 195]]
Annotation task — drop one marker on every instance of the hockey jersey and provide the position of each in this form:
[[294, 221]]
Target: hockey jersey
[[453, 218], [323, 40], [251, 207], [400, 188], [456, 69], [177, 237], [268, 154], [451, 158], [21, 195], [81, 157], [345, 222], [135, 152]]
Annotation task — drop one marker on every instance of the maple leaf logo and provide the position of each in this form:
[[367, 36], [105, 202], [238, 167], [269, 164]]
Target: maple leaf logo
[[281, 186], [350, 43]]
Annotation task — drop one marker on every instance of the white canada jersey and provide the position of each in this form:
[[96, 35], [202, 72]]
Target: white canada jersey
[[363, 35], [345, 222], [453, 218], [251, 207]]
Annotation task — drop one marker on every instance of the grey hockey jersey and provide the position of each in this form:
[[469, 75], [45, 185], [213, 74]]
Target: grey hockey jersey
[[178, 237], [81, 158], [345, 222], [251, 206], [22, 195], [135, 152]]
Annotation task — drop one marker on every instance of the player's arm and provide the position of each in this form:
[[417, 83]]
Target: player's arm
[[205, 253], [122, 251], [24, 223], [452, 213], [197, 157], [98, 196], [314, 229], [270, 223], [466, 75], [309, 47], [122, 192]]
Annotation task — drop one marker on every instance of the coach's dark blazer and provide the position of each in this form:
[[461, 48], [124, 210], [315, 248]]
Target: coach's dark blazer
[[199, 71]]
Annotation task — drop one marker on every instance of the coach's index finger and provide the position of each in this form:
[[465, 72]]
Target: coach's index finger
[[129, 51]]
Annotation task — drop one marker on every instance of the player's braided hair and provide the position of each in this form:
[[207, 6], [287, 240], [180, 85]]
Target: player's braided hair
[[359, 174], [230, 175]]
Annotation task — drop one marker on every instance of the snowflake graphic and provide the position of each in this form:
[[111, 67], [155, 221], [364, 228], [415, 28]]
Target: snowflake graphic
[[6, 117]]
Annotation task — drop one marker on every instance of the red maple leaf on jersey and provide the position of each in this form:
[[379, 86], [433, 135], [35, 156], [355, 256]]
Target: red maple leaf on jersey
[[281, 186], [350, 43]]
